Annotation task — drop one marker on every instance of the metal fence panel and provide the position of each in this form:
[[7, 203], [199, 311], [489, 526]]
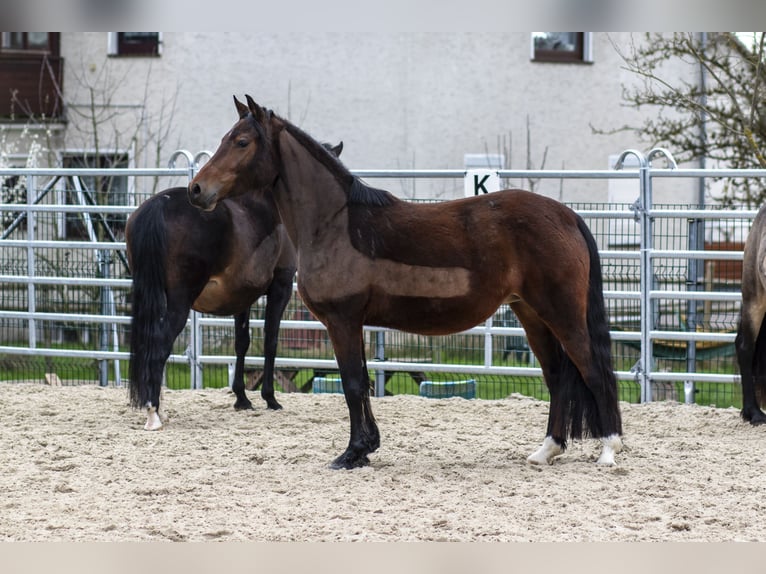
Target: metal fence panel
[[673, 302]]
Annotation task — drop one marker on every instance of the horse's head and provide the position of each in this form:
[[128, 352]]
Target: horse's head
[[244, 161]]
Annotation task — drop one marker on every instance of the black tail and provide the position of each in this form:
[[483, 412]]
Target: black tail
[[147, 246], [582, 402]]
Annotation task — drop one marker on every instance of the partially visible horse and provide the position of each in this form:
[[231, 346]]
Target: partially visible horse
[[218, 262], [368, 258], [751, 332]]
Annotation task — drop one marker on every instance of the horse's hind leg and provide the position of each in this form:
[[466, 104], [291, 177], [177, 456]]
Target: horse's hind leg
[[596, 400], [749, 340], [161, 345], [548, 352], [241, 345], [277, 297]]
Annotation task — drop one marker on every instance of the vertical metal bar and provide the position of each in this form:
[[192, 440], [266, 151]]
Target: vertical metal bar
[[642, 209], [195, 350], [380, 355], [651, 306], [488, 342], [115, 338], [647, 275], [31, 296], [697, 236], [103, 331], [101, 271], [695, 280]]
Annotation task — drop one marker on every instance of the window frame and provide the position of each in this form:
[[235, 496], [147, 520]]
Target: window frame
[[582, 54], [53, 48], [148, 49]]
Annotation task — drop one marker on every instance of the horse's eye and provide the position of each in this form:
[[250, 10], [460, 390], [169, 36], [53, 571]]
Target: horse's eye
[[242, 143]]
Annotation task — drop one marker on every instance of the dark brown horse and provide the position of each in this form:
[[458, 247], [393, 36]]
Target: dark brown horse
[[751, 333], [218, 262], [368, 258], [215, 262]]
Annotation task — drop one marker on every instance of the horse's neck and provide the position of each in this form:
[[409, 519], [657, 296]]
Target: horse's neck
[[309, 198]]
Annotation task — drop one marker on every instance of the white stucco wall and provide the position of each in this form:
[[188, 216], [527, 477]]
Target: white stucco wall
[[397, 100]]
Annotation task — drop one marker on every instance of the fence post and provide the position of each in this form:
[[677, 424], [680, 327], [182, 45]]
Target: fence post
[[31, 295], [194, 350], [642, 209], [103, 331], [380, 355]]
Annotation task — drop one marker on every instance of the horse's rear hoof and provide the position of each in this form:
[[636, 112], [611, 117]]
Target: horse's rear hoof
[[273, 405], [153, 420], [248, 406], [755, 417], [349, 461]]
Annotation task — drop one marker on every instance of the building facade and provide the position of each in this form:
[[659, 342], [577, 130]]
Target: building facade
[[396, 100]]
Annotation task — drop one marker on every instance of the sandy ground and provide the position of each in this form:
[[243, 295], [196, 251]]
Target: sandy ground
[[78, 466]]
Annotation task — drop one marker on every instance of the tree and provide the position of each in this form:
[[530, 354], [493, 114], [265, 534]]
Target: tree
[[716, 112]]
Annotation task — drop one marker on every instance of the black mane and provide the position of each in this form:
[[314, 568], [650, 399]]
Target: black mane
[[358, 192]]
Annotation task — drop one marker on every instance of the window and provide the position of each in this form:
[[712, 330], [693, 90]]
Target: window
[[31, 74], [40, 42], [134, 43], [561, 47], [96, 190]]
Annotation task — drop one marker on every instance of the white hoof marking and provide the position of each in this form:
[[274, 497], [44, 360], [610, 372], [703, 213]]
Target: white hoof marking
[[153, 419], [546, 453], [611, 445]]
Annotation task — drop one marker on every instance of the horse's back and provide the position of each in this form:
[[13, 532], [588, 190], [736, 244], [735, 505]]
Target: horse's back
[[464, 232]]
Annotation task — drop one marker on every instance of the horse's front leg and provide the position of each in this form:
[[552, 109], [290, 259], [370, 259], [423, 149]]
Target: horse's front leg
[[277, 297], [241, 345], [364, 434]]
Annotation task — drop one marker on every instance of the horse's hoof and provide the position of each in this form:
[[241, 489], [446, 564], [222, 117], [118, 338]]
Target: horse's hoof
[[153, 420], [754, 416], [348, 461], [612, 445], [546, 453], [243, 406], [274, 406]]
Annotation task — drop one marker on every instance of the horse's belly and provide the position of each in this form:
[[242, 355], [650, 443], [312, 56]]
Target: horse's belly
[[432, 316], [221, 297]]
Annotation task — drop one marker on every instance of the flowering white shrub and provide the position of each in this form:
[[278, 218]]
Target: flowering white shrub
[[13, 189]]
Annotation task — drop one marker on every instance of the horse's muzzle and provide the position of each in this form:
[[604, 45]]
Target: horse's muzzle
[[200, 199]]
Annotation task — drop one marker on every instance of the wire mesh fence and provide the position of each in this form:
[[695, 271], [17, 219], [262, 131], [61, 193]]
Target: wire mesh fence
[[65, 288]]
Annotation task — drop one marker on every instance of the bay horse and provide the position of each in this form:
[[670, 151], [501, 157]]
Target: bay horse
[[751, 331], [218, 262], [366, 257]]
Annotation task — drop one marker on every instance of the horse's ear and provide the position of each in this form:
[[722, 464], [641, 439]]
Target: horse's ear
[[242, 109], [258, 112], [337, 149]]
